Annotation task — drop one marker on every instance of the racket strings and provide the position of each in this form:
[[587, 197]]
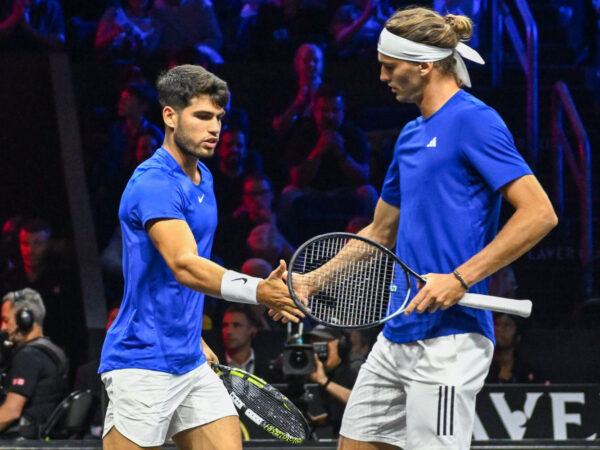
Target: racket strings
[[275, 412], [351, 282]]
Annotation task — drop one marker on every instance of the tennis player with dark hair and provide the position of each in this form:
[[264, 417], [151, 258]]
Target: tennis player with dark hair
[[153, 366], [450, 170]]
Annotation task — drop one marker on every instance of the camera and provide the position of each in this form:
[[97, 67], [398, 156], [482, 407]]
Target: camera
[[299, 359]]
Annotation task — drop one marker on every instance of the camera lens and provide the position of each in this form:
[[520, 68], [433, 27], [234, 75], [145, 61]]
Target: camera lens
[[298, 359]]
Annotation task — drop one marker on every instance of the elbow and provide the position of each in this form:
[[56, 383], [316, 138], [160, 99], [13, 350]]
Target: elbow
[[548, 218]]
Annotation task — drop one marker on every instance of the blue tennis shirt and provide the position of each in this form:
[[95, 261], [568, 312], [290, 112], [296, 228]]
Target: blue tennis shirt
[[160, 321], [445, 176]]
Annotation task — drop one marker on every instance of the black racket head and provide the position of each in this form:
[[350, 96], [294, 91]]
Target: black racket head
[[264, 404], [348, 281]]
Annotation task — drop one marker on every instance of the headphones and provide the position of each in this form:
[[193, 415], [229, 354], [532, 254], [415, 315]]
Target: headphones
[[24, 316]]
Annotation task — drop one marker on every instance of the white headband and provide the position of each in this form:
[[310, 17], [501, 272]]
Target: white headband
[[401, 48]]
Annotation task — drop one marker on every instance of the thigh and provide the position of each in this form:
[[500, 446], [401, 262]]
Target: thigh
[[138, 405], [220, 434], [441, 408], [206, 403], [376, 409], [114, 440]]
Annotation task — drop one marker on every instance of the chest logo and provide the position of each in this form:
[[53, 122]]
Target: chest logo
[[200, 198], [433, 142]]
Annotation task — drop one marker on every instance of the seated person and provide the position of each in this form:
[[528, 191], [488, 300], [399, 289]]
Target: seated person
[[335, 375], [233, 162], [37, 368], [239, 328], [32, 25], [508, 366]]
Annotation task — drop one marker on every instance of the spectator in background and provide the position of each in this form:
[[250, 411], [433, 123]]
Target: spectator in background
[[238, 329], [308, 64], [328, 163], [188, 24], [266, 242], [234, 162], [32, 25], [356, 26], [45, 269], [333, 375], [37, 368], [127, 31], [9, 243], [135, 101], [508, 366], [119, 158]]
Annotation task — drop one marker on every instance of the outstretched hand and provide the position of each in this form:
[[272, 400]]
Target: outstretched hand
[[274, 294]]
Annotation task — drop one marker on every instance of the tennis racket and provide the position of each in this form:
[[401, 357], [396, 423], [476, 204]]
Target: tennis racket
[[263, 404], [348, 281]]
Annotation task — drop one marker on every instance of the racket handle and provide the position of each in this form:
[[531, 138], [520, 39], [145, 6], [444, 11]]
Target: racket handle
[[499, 304]]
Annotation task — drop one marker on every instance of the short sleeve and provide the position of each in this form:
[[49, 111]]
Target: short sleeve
[[390, 192], [156, 195], [25, 372], [490, 149]]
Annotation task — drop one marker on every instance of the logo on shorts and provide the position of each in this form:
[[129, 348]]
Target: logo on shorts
[[18, 381], [245, 280]]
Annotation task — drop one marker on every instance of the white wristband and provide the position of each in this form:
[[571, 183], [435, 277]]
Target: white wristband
[[239, 288]]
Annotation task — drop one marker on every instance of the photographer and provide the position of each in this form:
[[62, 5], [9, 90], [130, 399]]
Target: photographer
[[334, 373], [36, 372]]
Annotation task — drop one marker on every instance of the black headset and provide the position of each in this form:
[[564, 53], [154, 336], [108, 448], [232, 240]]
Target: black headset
[[23, 316]]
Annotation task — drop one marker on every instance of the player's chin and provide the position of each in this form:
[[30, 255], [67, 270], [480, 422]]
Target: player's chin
[[204, 152]]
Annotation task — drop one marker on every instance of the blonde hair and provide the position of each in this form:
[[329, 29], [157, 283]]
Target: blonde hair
[[426, 26]]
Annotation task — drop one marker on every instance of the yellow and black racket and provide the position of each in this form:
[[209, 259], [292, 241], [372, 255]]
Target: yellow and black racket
[[263, 404]]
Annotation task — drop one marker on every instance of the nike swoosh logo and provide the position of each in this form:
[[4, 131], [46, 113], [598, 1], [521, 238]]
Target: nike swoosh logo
[[245, 280], [201, 198]]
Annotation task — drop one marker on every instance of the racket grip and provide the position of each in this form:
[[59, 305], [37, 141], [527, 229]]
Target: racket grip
[[499, 304]]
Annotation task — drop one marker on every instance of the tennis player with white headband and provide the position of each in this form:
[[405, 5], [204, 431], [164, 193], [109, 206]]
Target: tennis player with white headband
[[450, 170]]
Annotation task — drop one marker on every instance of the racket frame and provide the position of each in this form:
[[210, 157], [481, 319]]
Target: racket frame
[[407, 271], [273, 392]]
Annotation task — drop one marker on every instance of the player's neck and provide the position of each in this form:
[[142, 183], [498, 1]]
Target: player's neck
[[188, 163], [436, 94], [240, 356]]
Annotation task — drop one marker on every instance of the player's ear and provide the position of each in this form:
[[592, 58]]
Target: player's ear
[[425, 68], [170, 116]]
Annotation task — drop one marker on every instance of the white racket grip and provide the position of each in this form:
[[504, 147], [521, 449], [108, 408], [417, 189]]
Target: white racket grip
[[499, 304]]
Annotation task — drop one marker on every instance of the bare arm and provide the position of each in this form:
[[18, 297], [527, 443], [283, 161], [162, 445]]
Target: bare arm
[[175, 242], [11, 409], [533, 218], [343, 34], [384, 227]]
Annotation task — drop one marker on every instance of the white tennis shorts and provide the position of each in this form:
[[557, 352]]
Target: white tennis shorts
[[419, 395], [150, 407]]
